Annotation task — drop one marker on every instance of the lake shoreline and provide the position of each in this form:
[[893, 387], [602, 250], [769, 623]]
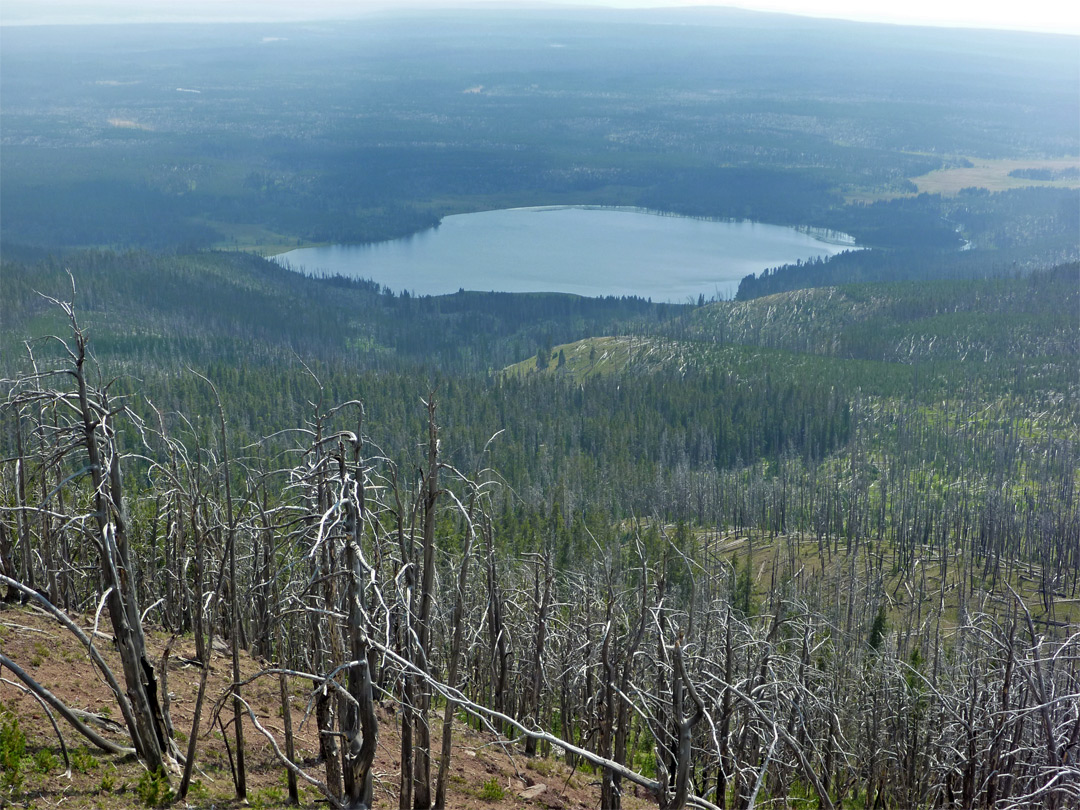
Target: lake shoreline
[[589, 250]]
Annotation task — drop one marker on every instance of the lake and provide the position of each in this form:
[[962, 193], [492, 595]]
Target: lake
[[575, 249]]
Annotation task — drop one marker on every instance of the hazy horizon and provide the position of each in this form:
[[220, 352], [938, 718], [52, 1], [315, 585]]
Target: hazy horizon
[[1041, 16]]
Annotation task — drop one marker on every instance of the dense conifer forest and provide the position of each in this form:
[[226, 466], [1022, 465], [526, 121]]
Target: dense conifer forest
[[814, 546]]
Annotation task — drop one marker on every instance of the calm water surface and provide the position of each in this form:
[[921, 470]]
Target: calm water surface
[[588, 251]]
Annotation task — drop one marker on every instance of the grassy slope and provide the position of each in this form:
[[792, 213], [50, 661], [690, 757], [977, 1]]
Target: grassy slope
[[908, 321], [1003, 353], [834, 571], [1000, 338]]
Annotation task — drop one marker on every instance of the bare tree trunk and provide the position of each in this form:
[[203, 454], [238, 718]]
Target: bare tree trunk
[[279, 637], [118, 575], [189, 763], [500, 652], [26, 555], [422, 745], [105, 745], [235, 630], [290, 752], [537, 680], [7, 565], [684, 725], [724, 765], [457, 622], [609, 792], [405, 643], [622, 715], [359, 722]]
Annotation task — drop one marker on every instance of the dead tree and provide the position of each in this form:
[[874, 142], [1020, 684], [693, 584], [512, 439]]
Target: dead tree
[[498, 634], [682, 688], [421, 786], [90, 430], [457, 622], [360, 726], [240, 770], [532, 694]]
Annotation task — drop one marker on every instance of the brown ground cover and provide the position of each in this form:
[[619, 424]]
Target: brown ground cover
[[482, 766]]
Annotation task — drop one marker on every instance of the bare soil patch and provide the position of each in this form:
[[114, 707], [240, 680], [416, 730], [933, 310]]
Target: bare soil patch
[[486, 774]]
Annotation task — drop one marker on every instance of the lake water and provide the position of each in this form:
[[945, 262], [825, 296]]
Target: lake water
[[573, 249]]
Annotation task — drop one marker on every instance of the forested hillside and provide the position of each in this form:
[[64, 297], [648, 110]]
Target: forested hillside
[[865, 488], [263, 135]]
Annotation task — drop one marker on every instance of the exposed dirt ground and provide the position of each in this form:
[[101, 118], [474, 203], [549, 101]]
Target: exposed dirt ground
[[481, 768]]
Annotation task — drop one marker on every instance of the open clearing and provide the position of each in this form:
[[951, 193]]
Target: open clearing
[[993, 175]]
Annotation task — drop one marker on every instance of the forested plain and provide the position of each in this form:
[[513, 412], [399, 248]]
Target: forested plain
[[816, 546]]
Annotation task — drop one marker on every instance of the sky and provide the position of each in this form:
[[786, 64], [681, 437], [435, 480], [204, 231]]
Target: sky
[[1057, 16]]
